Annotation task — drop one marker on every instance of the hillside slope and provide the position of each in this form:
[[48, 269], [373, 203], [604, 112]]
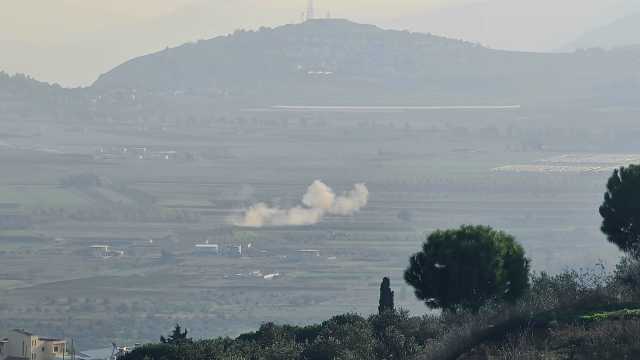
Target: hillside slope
[[23, 98], [337, 62], [622, 32]]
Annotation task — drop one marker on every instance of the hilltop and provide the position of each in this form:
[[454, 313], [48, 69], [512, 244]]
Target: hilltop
[[337, 62], [23, 97], [318, 58]]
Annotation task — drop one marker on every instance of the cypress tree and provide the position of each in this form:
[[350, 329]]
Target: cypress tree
[[386, 297]]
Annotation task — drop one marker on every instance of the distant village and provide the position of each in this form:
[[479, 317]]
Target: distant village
[[204, 249]]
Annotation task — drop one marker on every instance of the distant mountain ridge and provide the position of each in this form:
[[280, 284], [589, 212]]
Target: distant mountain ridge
[[331, 54], [622, 32], [341, 63], [24, 97], [337, 62]]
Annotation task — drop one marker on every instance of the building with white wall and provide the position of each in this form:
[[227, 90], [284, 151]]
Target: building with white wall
[[23, 345], [3, 349]]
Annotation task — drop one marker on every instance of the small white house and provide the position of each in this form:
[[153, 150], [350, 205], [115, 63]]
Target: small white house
[[105, 251], [308, 253], [207, 249]]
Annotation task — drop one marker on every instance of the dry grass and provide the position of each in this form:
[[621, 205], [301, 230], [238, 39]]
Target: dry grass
[[550, 298], [606, 340]]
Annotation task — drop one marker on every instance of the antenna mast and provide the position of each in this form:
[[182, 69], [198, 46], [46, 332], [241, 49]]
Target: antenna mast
[[311, 11]]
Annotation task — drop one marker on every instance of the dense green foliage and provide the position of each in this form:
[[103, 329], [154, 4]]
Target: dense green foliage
[[467, 267], [621, 209], [392, 335], [553, 309]]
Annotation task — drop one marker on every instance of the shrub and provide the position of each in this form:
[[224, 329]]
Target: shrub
[[626, 279], [605, 340]]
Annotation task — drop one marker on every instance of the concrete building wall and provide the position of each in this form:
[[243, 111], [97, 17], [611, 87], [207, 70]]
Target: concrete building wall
[[21, 344], [3, 349], [50, 349]]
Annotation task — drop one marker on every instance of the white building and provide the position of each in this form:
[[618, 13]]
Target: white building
[[207, 249], [105, 251], [306, 254], [23, 345]]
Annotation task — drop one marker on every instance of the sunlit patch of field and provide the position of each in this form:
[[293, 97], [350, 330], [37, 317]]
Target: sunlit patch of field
[[41, 196], [553, 169], [9, 284], [606, 159], [574, 163]]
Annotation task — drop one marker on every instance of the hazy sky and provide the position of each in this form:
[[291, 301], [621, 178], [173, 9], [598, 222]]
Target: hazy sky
[[73, 41]]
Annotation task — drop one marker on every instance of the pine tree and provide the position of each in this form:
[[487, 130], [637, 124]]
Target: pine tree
[[177, 337]]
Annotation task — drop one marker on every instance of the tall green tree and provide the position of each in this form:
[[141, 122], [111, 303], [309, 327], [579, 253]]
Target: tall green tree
[[385, 302], [466, 267], [621, 210]]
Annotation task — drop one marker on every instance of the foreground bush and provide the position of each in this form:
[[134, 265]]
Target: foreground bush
[[390, 335]]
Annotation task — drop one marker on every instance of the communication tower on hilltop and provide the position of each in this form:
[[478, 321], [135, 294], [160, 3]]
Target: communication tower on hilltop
[[311, 11]]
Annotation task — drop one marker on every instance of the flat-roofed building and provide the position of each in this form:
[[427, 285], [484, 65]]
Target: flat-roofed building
[[23, 345], [3, 348]]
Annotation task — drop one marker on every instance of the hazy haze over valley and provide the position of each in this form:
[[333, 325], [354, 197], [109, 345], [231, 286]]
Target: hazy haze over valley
[[223, 164]]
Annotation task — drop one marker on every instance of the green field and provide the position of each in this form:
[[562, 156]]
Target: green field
[[30, 197]]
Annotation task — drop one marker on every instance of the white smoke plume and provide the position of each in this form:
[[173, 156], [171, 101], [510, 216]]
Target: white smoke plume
[[318, 201]]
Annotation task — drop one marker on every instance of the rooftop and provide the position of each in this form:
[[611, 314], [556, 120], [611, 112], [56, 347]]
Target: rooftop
[[51, 339], [23, 332], [43, 338]]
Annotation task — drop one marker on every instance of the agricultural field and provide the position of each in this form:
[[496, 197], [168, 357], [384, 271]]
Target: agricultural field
[[150, 190]]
